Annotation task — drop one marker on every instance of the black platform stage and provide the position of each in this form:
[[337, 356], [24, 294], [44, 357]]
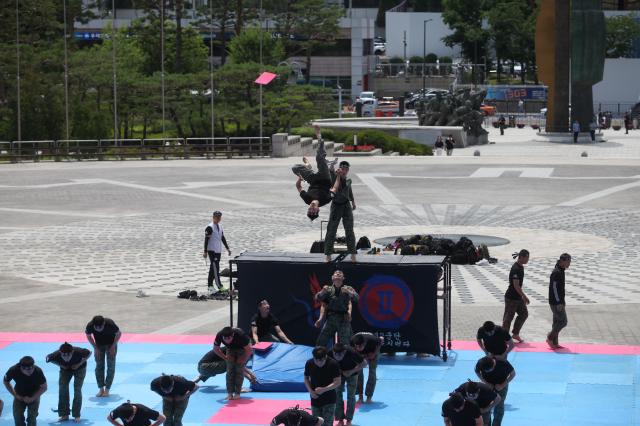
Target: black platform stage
[[398, 296]]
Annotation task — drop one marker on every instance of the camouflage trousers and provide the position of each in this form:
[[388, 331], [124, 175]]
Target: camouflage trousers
[[234, 371], [350, 383], [326, 412], [336, 323]]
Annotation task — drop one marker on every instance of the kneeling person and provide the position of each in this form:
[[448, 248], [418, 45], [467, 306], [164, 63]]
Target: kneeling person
[[296, 417], [175, 392], [135, 415]]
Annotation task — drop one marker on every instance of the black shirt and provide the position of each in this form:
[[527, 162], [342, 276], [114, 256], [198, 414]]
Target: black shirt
[[240, 340], [516, 273], [350, 360], [265, 325], [371, 342], [318, 190], [496, 343], [439, 144], [143, 417], [449, 143], [485, 397], [211, 356], [307, 419], [79, 354], [180, 386], [25, 385], [556, 286], [320, 377], [466, 417], [105, 337], [499, 373]]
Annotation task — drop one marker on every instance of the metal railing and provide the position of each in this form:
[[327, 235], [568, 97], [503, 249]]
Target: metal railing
[[143, 149]]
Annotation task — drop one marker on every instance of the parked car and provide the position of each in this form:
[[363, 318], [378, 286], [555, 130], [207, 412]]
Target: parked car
[[379, 48]]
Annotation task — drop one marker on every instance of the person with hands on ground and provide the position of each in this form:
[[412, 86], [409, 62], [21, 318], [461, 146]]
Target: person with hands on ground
[[73, 365], [104, 334], [321, 378], [296, 417], [30, 384], [497, 374], [515, 301], [135, 415], [175, 392], [238, 352]]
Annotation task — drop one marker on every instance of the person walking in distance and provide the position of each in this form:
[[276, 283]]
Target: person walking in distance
[[497, 374], [30, 384], [515, 301], [575, 128], [502, 123], [341, 209], [213, 241], [593, 126], [556, 300], [449, 144], [73, 365], [103, 334]]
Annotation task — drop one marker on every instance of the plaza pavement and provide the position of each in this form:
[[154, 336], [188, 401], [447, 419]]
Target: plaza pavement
[[81, 238]]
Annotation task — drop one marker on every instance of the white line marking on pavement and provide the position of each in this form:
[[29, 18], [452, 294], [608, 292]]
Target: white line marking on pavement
[[45, 185], [65, 213], [394, 210], [370, 209], [46, 295], [181, 193], [377, 188], [196, 185], [600, 194], [525, 172], [196, 322], [418, 210]]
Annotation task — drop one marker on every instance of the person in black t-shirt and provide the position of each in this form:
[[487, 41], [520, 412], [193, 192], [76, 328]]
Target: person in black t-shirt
[[556, 300], [135, 415], [482, 395], [175, 392], [368, 345], [296, 417], [515, 301], [103, 334], [211, 365], [457, 411], [73, 364], [497, 374], [30, 384], [238, 353], [262, 324], [321, 378], [351, 363], [318, 194], [494, 340], [449, 143]]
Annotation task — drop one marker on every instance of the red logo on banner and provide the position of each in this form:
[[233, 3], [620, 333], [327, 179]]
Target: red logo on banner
[[386, 302]]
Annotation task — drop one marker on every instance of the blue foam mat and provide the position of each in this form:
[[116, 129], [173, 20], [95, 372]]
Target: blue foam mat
[[551, 389]]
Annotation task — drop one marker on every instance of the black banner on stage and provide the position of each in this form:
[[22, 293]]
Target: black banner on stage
[[397, 296]]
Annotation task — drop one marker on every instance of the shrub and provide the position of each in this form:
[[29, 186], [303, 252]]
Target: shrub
[[396, 60], [416, 59], [431, 58]]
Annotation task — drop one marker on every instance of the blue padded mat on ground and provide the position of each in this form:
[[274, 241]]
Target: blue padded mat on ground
[[281, 368]]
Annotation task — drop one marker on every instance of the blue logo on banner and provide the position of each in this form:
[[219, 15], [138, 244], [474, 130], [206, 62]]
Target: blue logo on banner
[[386, 302]]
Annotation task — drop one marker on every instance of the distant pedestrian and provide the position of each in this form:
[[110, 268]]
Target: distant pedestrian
[[30, 384], [296, 417], [556, 299], [482, 395], [135, 415], [515, 301], [494, 340], [593, 126], [521, 106], [575, 128], [321, 378], [450, 144], [497, 374], [103, 334], [439, 145], [457, 411], [627, 123], [175, 392], [213, 241], [73, 365], [238, 352], [502, 122]]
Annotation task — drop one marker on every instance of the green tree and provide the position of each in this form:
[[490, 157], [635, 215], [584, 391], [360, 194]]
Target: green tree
[[464, 18], [246, 48], [427, 5], [622, 31], [381, 19]]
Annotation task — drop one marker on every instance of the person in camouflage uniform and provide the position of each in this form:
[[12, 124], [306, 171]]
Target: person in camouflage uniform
[[337, 304], [342, 208]]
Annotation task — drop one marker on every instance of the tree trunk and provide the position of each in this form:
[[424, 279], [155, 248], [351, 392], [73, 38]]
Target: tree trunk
[[499, 68], [179, 7], [239, 17], [144, 126], [176, 121]]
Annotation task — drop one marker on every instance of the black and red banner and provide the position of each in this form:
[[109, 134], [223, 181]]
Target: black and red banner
[[397, 296]]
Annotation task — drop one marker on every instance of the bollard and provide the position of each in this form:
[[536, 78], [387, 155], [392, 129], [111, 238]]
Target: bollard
[[476, 153]]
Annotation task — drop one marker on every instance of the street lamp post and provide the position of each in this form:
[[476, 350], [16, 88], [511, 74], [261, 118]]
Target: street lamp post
[[424, 53]]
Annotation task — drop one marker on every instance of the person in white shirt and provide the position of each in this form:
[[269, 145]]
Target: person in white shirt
[[213, 241]]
